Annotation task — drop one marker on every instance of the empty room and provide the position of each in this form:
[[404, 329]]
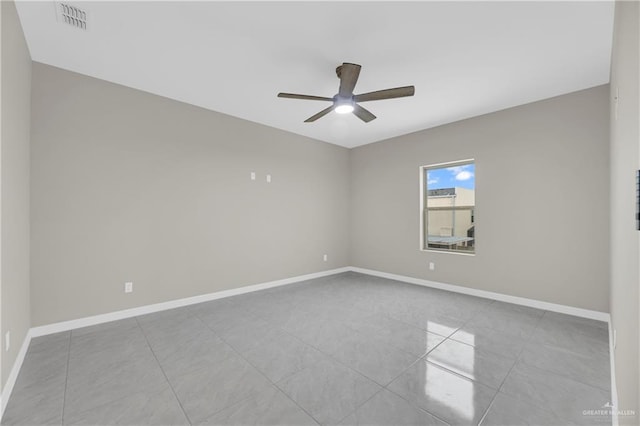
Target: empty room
[[320, 213]]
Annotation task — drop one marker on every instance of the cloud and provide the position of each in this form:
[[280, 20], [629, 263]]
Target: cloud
[[431, 179], [456, 170], [464, 175]]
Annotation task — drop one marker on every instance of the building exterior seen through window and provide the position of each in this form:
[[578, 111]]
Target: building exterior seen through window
[[448, 207]]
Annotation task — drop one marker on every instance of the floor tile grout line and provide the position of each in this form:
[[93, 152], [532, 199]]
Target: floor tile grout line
[[527, 341], [368, 378], [575, 379], [493, 400], [411, 403], [382, 387], [350, 328], [567, 350], [66, 378], [571, 379], [385, 387], [414, 405], [321, 351], [146, 339], [444, 367], [102, 403], [373, 337], [446, 336], [334, 358], [567, 377], [257, 370], [360, 405], [486, 411], [424, 359]]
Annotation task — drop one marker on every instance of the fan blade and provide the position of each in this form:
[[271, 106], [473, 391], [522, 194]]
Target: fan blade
[[348, 78], [306, 97], [319, 115], [363, 114], [398, 92]]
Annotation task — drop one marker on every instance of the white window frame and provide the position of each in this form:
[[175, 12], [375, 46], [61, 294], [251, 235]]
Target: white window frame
[[423, 198]]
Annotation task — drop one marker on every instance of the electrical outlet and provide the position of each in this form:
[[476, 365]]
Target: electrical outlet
[[268, 178], [325, 257], [7, 341], [432, 266], [253, 175], [128, 287]]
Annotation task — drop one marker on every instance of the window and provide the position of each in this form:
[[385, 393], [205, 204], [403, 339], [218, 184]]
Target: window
[[448, 193]]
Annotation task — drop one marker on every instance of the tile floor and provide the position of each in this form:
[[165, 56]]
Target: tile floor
[[345, 349]]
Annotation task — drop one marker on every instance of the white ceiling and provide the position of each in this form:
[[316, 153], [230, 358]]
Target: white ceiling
[[465, 58]]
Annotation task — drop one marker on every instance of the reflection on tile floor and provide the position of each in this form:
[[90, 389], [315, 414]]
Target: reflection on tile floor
[[344, 349]]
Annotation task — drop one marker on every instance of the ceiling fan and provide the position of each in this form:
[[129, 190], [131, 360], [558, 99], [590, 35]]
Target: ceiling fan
[[345, 101]]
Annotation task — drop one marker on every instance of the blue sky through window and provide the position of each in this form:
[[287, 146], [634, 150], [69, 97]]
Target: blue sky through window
[[448, 177]]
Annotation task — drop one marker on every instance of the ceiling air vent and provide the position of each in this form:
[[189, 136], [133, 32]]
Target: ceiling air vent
[[71, 15]]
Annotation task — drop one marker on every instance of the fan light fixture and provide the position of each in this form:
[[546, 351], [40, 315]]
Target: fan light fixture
[[344, 108]]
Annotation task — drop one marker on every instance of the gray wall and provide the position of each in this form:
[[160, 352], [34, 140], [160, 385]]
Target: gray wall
[[129, 186], [14, 226], [625, 150], [542, 182]]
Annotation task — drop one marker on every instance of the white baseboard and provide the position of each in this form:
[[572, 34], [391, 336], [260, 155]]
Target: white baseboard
[[148, 309], [13, 375], [547, 306]]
